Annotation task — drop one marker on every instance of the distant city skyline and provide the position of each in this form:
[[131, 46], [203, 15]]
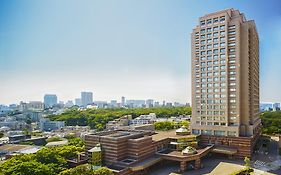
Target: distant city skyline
[[136, 49], [108, 100]]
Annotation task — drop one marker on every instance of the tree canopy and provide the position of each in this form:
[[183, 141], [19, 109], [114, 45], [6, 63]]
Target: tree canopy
[[86, 169], [271, 122], [47, 161], [169, 125], [97, 118]]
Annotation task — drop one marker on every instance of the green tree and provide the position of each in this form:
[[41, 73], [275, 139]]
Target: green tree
[[68, 151], [164, 126], [52, 158], [97, 118], [1, 134], [30, 167], [85, 169], [76, 142], [247, 162], [184, 123], [103, 171]]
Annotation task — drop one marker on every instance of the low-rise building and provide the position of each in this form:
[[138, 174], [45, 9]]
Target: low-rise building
[[144, 119], [47, 125], [10, 150], [130, 152]]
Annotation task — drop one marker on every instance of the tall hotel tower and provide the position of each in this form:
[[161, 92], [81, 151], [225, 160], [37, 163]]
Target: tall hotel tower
[[225, 81]]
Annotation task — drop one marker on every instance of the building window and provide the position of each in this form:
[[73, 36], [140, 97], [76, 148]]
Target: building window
[[222, 19], [222, 44], [203, 58], [202, 23], [232, 27], [231, 61], [207, 132], [203, 42], [231, 133], [215, 20], [232, 89], [219, 133], [223, 85], [216, 34], [195, 131]]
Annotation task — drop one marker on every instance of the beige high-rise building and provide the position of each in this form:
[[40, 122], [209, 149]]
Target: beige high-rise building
[[225, 76]]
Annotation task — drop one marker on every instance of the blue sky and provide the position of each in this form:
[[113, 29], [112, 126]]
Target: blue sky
[[137, 49]]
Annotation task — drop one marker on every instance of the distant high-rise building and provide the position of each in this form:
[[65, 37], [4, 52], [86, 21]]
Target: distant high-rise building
[[78, 102], [169, 104], [266, 106], [135, 103], [123, 103], [113, 103], [149, 103], [35, 105], [225, 79], [50, 100], [156, 104], [69, 103], [276, 106], [86, 98]]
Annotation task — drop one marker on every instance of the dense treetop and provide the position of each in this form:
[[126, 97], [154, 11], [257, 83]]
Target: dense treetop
[[271, 122], [97, 118]]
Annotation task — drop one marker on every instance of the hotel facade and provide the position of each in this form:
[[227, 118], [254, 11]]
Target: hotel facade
[[225, 80]]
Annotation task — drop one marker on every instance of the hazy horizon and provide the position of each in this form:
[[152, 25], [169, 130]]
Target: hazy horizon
[[136, 49]]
